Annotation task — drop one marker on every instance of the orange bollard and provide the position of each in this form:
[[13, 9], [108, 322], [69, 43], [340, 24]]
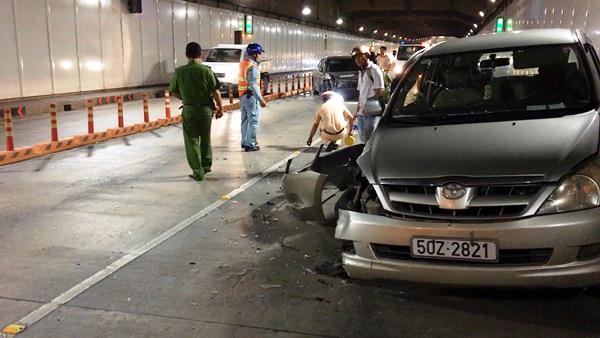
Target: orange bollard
[[53, 123], [304, 83], [8, 128], [146, 112], [293, 83], [230, 93], [167, 104], [278, 85], [286, 85], [298, 82], [90, 112], [271, 87], [120, 112]]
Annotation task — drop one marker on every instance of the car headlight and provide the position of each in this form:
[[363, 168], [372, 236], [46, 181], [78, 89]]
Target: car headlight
[[577, 192]]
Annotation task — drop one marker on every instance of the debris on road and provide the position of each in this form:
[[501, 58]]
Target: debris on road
[[270, 286]]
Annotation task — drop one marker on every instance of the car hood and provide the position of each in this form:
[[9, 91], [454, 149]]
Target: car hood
[[224, 70], [345, 76], [533, 150]]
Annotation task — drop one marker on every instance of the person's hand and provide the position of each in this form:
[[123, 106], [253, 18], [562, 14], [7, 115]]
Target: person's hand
[[219, 112], [309, 141], [263, 103]]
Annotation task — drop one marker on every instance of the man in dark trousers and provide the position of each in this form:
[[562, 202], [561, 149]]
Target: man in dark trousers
[[197, 86]]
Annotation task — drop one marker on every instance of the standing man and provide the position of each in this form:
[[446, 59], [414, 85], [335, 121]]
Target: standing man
[[370, 86], [250, 96], [196, 85], [383, 60]]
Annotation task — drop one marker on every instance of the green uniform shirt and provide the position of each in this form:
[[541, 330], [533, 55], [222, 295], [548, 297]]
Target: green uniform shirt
[[195, 83]]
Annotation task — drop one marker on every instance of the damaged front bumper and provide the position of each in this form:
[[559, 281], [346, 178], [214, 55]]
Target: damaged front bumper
[[566, 236], [303, 189]]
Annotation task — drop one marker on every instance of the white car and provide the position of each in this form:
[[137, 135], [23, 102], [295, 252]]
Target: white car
[[224, 59]]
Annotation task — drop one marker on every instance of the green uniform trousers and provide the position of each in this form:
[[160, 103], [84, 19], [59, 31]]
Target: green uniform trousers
[[196, 136]]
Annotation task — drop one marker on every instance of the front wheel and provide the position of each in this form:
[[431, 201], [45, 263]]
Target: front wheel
[[345, 202]]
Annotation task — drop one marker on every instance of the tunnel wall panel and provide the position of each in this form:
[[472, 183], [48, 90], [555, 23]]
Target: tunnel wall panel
[[150, 56], [9, 63], [165, 37], [63, 46], [83, 45], [112, 44], [573, 14], [89, 45], [33, 46], [132, 49]]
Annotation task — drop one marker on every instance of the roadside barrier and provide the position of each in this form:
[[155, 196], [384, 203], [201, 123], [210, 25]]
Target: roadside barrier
[[90, 114], [120, 132], [120, 122], [12, 155], [167, 104], [8, 128], [53, 123], [55, 146], [230, 93], [16, 155], [146, 112]]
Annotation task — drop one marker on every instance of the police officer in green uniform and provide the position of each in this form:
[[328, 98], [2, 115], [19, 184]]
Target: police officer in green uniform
[[196, 85]]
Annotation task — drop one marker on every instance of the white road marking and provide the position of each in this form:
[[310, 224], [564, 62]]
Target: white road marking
[[78, 289]]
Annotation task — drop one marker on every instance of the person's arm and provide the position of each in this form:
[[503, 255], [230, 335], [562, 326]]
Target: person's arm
[[215, 84], [217, 97], [315, 126], [350, 119], [254, 73], [378, 85]]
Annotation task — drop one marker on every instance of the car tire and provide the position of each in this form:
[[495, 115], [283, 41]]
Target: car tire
[[345, 202]]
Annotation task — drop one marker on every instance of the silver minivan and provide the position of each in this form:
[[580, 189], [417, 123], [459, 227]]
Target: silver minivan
[[483, 171]]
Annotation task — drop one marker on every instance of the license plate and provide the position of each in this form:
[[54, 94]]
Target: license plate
[[460, 249]]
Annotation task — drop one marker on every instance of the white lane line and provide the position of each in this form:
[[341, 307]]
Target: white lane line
[[78, 289]]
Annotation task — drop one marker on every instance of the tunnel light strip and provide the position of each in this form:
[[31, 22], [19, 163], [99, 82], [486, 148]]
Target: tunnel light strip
[[78, 289]]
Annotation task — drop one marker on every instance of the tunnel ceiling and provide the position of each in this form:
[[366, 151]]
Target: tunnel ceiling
[[406, 18]]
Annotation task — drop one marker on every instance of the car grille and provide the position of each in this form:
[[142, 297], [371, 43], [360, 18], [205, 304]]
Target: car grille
[[490, 202], [505, 256]]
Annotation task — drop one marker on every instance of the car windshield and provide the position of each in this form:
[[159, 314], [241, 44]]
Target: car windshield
[[519, 83], [224, 55], [405, 52], [341, 65]]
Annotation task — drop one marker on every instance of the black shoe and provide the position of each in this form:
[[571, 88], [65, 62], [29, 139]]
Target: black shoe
[[257, 148], [194, 177]]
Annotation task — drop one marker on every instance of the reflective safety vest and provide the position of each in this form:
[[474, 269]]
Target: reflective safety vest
[[243, 82]]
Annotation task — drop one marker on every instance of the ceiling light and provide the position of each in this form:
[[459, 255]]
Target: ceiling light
[[394, 36], [475, 25], [386, 34], [375, 32], [493, 1], [339, 21], [481, 14], [306, 10], [361, 28]]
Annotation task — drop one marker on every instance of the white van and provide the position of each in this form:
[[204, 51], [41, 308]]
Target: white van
[[224, 59]]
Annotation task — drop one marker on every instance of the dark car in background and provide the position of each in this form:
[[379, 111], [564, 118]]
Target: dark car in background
[[337, 73]]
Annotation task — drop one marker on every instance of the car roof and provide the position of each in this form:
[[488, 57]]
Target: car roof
[[230, 45], [533, 37], [338, 57]]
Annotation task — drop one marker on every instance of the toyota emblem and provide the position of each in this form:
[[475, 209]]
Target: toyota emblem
[[453, 191]]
